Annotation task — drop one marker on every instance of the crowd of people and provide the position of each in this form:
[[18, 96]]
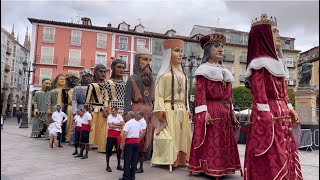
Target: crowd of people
[[153, 115]]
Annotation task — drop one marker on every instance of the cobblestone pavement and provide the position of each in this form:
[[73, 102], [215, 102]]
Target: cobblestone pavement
[[25, 158]]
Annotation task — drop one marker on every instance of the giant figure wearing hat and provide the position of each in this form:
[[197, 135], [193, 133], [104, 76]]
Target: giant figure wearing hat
[[214, 148], [172, 137], [271, 151], [42, 109], [139, 96], [97, 97], [72, 80]]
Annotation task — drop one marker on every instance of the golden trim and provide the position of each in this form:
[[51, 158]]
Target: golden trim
[[285, 164], [204, 162], [205, 133], [270, 142]]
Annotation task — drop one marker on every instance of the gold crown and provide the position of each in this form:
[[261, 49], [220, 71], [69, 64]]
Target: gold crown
[[264, 20]]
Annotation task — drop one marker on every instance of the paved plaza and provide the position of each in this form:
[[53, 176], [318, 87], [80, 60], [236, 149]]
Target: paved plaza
[[25, 158]]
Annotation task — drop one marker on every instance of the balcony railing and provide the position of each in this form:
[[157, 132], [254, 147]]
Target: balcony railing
[[228, 57], [73, 62], [242, 78], [123, 46], [9, 51], [7, 68], [46, 60], [76, 41], [102, 44], [5, 86], [48, 38], [243, 59]]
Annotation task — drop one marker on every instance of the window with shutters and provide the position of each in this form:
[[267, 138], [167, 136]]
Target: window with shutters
[[102, 41], [48, 34], [47, 55], [74, 57], [76, 37], [101, 58], [45, 73], [124, 58], [123, 43], [141, 43], [289, 61]]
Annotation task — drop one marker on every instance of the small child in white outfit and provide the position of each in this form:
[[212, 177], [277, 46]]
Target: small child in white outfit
[[54, 128]]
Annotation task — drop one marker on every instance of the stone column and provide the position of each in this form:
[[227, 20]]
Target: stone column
[[4, 106], [306, 103]]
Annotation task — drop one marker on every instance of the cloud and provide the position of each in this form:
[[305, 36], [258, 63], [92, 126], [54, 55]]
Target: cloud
[[295, 19]]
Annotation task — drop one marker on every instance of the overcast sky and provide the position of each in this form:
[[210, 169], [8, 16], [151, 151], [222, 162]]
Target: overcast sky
[[298, 19]]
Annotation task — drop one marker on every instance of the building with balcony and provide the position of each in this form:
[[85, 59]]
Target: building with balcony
[[13, 77]]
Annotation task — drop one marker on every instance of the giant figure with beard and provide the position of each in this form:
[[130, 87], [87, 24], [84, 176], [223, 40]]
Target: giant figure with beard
[[139, 96]]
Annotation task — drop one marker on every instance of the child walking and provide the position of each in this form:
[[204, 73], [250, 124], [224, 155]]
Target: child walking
[[54, 128]]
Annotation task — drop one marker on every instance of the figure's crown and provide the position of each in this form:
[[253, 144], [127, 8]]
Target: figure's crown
[[264, 20]]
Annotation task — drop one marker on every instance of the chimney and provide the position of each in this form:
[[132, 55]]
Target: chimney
[[109, 25], [86, 21]]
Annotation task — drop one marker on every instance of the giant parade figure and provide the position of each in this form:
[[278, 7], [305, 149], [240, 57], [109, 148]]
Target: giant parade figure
[[139, 96], [42, 109], [172, 136], [214, 148], [72, 80], [97, 97], [59, 96], [271, 151]]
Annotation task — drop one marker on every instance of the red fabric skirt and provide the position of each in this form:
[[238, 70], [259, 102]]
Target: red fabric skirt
[[132, 140], [271, 155], [218, 154]]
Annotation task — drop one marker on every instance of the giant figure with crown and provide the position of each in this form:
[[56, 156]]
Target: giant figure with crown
[[271, 151]]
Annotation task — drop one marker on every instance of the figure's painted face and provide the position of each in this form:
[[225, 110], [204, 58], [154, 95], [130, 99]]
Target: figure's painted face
[[86, 80], [61, 82], [119, 69], [101, 74], [46, 85], [216, 51], [144, 61], [276, 37], [72, 81], [176, 55]]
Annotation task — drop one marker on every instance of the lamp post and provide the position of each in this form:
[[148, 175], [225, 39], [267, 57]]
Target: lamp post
[[190, 63], [26, 68]]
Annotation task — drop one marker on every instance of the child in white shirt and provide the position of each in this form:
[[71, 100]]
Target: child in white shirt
[[54, 128]]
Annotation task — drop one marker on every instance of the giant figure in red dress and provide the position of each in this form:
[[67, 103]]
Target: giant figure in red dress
[[214, 148], [271, 151]]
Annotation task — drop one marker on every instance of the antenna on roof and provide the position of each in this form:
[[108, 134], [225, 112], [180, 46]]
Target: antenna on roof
[[139, 20], [218, 22]]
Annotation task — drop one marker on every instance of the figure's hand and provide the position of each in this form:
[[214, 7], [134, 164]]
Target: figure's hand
[[161, 115], [36, 112], [121, 146], [105, 112], [234, 120], [48, 111], [190, 115], [294, 117], [207, 118]]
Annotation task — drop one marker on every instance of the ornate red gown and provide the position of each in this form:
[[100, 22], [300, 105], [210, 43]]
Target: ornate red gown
[[214, 148], [271, 151]]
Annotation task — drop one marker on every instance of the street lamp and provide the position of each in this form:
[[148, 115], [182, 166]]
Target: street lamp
[[191, 62], [26, 68]]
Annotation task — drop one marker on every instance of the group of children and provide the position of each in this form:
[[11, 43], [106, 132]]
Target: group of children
[[130, 142]]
